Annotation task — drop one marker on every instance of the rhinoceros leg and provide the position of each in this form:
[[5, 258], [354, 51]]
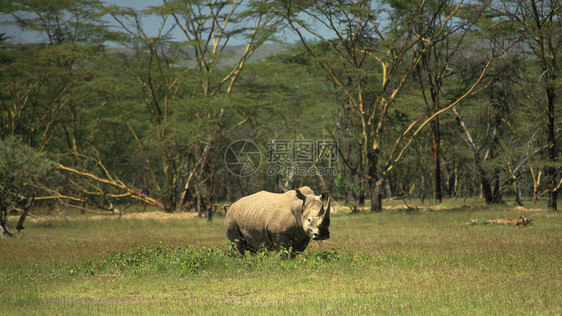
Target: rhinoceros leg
[[299, 246], [237, 239]]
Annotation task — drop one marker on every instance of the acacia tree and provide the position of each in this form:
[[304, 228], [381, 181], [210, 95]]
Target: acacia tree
[[372, 64], [538, 25], [511, 158], [182, 80], [48, 93], [39, 80], [181, 85], [437, 65], [21, 170]]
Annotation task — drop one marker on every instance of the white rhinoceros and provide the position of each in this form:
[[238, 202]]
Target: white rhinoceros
[[275, 221]]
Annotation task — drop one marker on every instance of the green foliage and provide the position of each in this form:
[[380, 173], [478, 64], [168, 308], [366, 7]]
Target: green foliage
[[126, 103], [20, 163], [151, 259], [190, 260], [59, 21], [22, 172], [343, 187]]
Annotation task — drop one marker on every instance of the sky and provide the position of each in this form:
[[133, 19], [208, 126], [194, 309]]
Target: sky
[[287, 36], [32, 37], [150, 24]]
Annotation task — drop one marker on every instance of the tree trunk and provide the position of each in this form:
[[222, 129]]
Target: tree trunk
[[436, 160], [496, 187], [552, 200], [170, 193], [375, 185], [171, 201], [536, 182], [486, 184], [4, 222], [190, 197], [186, 199], [551, 172], [361, 201], [452, 185], [363, 190], [25, 211], [517, 194], [376, 196], [210, 190], [198, 196], [210, 212], [422, 188]]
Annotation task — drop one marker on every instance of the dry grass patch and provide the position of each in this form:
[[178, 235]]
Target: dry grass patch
[[159, 216]]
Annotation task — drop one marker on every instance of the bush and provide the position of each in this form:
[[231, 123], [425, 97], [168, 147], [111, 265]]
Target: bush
[[190, 260]]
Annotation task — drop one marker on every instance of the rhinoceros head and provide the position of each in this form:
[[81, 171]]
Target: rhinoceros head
[[315, 215]]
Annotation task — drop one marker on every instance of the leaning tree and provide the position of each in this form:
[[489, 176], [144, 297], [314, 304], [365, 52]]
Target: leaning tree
[[22, 173]]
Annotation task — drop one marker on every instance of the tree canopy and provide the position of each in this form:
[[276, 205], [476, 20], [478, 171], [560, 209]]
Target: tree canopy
[[374, 99]]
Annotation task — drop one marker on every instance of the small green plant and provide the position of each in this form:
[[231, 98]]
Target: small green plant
[[190, 260]]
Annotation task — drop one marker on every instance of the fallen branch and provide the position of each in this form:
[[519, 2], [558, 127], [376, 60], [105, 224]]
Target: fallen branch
[[118, 184], [415, 208], [109, 210], [522, 221]]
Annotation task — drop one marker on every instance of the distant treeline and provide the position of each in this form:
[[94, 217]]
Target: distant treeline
[[377, 99]]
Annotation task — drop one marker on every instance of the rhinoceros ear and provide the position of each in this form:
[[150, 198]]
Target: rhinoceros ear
[[300, 195], [325, 210]]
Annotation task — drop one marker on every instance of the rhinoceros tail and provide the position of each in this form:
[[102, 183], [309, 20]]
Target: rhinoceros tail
[[225, 207]]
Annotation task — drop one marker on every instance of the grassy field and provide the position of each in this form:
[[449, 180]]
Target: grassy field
[[396, 262]]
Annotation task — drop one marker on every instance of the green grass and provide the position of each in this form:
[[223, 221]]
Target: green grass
[[395, 262]]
